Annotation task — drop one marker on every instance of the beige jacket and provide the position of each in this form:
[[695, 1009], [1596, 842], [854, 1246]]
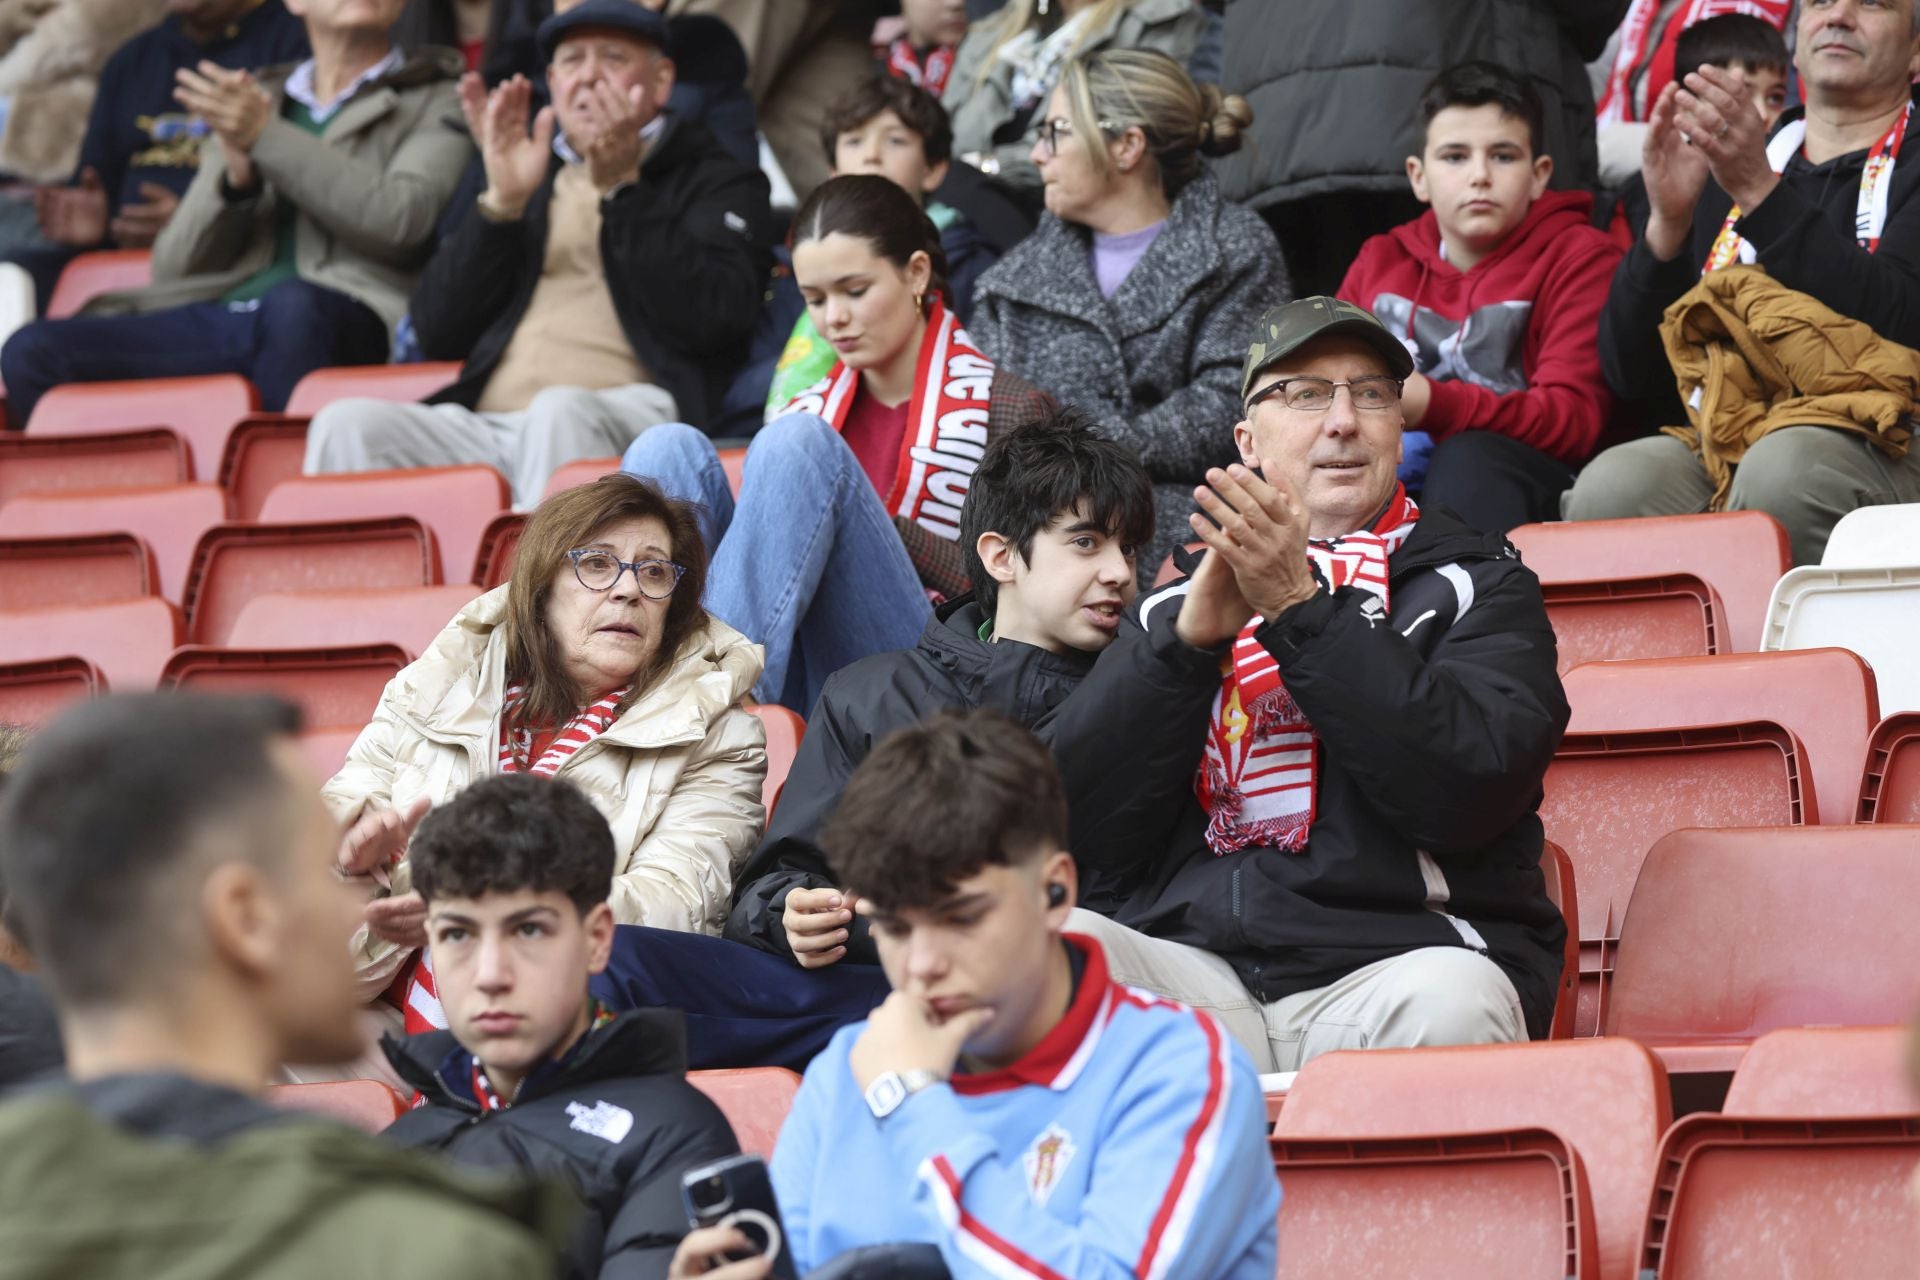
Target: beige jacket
[[678, 776], [54, 52], [369, 192]]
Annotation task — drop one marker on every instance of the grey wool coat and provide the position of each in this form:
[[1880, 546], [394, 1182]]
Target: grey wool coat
[[1158, 364]]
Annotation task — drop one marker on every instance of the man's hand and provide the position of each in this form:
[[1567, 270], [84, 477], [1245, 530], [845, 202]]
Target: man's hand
[[1213, 611], [904, 1034], [1675, 173], [704, 1253], [1718, 117], [1262, 533], [377, 840], [75, 215], [816, 921], [613, 151], [401, 921], [516, 161], [138, 225], [232, 103]]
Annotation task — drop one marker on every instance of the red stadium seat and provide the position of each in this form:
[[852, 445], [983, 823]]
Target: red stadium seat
[[51, 464], [128, 640], [32, 693], [1557, 869], [86, 570], [784, 728], [455, 502], [364, 1104], [1735, 932], [1656, 745], [734, 462], [1805, 1173], [326, 750], [579, 472], [1607, 1099], [1739, 554], [171, 517], [236, 562], [493, 564], [409, 617], [334, 688], [375, 381], [88, 275], [201, 410], [1890, 788], [755, 1101], [1673, 616], [261, 452]]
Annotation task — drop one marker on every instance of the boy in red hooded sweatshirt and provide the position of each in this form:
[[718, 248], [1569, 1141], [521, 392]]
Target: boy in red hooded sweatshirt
[[1497, 291]]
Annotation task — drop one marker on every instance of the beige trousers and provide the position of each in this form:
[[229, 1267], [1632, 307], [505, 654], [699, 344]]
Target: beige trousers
[[1433, 996]]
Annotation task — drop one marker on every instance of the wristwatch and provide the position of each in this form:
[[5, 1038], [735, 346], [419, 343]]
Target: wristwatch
[[891, 1088]]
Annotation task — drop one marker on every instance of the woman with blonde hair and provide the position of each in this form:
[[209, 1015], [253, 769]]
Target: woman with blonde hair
[[1009, 63], [1135, 297]]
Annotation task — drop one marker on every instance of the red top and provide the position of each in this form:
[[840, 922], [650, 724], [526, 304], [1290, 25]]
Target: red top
[[874, 433]]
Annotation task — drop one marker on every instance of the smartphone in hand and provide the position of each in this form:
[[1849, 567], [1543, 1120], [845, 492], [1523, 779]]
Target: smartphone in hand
[[736, 1192]]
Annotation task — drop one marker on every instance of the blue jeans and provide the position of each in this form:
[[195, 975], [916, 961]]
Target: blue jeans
[[295, 328], [806, 563]]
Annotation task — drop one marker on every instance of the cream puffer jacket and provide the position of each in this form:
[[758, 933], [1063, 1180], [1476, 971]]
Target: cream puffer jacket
[[678, 776]]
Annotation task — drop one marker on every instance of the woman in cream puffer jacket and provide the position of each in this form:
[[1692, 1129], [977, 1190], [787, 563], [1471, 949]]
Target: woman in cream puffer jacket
[[677, 773]]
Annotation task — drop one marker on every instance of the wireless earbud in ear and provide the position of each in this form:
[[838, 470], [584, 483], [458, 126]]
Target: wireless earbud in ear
[[1056, 895]]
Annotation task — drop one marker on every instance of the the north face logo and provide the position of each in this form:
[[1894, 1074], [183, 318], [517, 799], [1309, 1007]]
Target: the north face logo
[[602, 1120]]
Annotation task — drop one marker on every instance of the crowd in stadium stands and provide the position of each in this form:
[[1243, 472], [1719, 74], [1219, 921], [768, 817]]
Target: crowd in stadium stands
[[1136, 397]]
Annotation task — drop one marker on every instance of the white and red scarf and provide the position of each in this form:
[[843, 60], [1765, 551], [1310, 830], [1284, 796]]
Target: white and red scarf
[[1260, 777], [904, 63], [946, 422], [1619, 102]]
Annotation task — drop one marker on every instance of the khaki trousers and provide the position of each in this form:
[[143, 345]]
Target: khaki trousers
[[1433, 996]]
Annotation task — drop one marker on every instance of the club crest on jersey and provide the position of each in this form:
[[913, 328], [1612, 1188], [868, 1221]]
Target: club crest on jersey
[[1046, 1160]]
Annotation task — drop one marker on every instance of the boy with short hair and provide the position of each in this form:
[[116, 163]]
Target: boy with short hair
[[1497, 291], [1009, 1103], [536, 1075]]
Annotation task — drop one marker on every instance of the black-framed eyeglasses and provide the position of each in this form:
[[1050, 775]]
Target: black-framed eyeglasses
[[1375, 393], [600, 570], [1051, 131]]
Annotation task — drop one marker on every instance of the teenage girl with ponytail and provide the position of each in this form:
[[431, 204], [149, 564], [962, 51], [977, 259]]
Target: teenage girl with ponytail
[[847, 524]]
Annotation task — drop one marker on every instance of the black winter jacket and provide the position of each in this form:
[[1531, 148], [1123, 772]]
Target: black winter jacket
[[1436, 729], [29, 1031], [618, 1123], [951, 669], [684, 259]]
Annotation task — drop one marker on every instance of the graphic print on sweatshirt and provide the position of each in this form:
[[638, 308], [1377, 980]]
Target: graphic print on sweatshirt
[[1487, 349]]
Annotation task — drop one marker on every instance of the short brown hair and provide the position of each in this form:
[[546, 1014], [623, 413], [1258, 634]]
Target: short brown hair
[[938, 801], [565, 521], [919, 110]]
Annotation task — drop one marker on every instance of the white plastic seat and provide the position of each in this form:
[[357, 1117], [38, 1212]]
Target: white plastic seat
[[1875, 612], [1875, 538]]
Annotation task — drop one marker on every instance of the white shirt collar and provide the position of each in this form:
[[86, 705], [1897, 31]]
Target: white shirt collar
[[300, 85], [648, 133]]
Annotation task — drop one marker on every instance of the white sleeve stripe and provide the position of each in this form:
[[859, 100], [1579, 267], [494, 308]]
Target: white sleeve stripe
[[1206, 1151]]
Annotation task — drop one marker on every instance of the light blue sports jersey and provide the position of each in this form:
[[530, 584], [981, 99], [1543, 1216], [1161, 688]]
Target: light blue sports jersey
[[1132, 1141]]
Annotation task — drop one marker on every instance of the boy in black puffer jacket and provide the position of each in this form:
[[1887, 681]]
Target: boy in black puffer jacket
[[535, 1074]]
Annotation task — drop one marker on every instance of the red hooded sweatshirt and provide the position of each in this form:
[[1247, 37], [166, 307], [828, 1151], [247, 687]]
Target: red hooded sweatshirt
[[1511, 346]]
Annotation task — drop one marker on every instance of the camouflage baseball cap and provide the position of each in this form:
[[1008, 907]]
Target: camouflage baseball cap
[[1286, 328]]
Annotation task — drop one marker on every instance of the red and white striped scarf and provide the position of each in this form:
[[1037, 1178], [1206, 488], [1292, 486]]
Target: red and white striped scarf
[[1259, 779], [516, 744], [904, 63]]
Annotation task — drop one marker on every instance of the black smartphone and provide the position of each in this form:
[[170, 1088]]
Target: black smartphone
[[736, 1192]]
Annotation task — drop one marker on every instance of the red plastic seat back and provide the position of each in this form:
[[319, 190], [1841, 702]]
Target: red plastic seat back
[[1740, 554], [85, 570], [53, 464], [493, 564], [578, 472], [128, 640], [405, 382], [410, 617], [170, 517], [334, 688], [456, 503], [32, 693], [88, 275], [755, 1101], [1672, 616], [1890, 786], [261, 452], [201, 410], [1856, 1072], [236, 562], [365, 1104], [784, 728], [1733, 933], [1557, 870], [1606, 1098]]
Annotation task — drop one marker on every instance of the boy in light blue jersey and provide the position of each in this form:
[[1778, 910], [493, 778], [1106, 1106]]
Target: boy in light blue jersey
[[1009, 1104]]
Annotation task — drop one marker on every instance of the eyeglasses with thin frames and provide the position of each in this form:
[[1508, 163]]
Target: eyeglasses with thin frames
[[600, 570], [1375, 393], [1051, 131]]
